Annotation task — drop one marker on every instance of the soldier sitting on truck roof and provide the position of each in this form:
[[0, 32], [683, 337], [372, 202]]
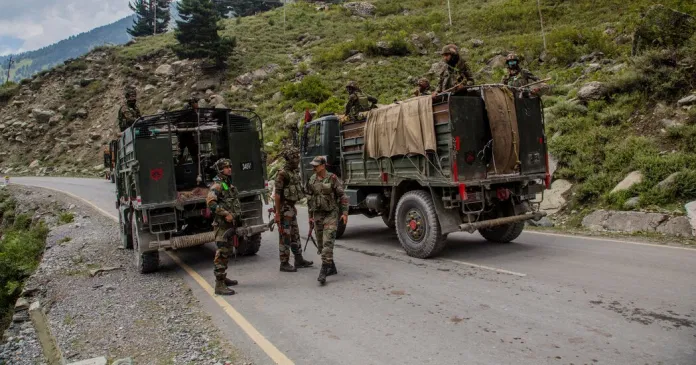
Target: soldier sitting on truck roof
[[457, 74], [519, 77], [358, 103], [129, 111], [423, 87]]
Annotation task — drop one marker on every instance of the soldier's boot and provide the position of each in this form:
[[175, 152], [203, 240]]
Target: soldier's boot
[[300, 262], [322, 273], [332, 269], [286, 267], [222, 289], [230, 282]]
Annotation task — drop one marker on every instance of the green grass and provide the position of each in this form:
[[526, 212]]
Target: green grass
[[8, 90], [66, 217]]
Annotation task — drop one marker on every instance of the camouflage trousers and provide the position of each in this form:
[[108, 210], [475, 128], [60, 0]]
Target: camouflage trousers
[[289, 236], [325, 224], [222, 254]]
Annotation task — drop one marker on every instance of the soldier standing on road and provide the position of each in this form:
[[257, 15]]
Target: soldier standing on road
[[423, 88], [326, 200], [289, 191], [518, 77], [457, 74], [223, 202], [129, 111], [358, 102]]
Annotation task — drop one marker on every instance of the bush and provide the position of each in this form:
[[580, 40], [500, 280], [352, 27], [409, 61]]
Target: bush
[[8, 90], [303, 105], [76, 65], [333, 105], [385, 8], [311, 89], [66, 217]]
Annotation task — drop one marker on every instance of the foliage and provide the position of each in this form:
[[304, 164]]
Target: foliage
[[66, 218], [311, 89], [240, 8], [8, 90], [197, 32], [144, 20], [332, 105]]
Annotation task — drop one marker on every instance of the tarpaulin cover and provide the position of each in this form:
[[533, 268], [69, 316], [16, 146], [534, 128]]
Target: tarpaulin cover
[[500, 106], [401, 129]]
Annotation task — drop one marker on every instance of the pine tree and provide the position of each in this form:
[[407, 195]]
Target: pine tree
[[244, 7], [197, 32], [143, 22]]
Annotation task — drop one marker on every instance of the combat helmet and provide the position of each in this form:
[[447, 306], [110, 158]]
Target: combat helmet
[[130, 93], [221, 164], [450, 49], [289, 152], [352, 85], [512, 60]]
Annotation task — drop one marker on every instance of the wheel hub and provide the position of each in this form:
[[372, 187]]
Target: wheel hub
[[415, 225]]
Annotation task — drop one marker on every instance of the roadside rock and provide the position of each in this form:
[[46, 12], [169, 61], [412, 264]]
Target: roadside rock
[[677, 226], [34, 164], [594, 90], [669, 180], [553, 198], [631, 203], [165, 70], [357, 58], [629, 222], [362, 9], [635, 177], [691, 214], [543, 222], [689, 100], [41, 115]]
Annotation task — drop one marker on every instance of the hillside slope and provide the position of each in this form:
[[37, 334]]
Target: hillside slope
[[633, 122]]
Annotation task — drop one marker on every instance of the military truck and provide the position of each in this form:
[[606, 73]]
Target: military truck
[[164, 168], [472, 161]]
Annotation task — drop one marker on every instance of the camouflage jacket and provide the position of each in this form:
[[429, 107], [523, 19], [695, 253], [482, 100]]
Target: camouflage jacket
[[126, 116], [452, 76], [223, 199], [289, 186], [357, 103], [522, 78], [327, 194]]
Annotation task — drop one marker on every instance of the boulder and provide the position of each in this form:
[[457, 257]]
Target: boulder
[[617, 68], [34, 164], [95, 136], [594, 90], [81, 113], [358, 58], [205, 84], [662, 27], [668, 181], [677, 226], [689, 100], [635, 177], [477, 43], [55, 119], [41, 115], [631, 203], [149, 88], [216, 99], [497, 61], [433, 38], [437, 68], [671, 123], [165, 70], [553, 198], [628, 222], [361, 9], [179, 66], [592, 68], [257, 75], [691, 214]]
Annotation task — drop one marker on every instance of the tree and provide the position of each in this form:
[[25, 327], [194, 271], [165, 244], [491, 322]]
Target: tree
[[197, 32], [244, 7], [143, 24]]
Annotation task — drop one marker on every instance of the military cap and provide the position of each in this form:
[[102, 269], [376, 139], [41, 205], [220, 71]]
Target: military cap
[[512, 59], [352, 85], [450, 49], [222, 163], [319, 160]]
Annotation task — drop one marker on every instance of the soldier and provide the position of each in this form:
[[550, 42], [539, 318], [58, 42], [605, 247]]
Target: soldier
[[224, 203], [457, 74], [289, 191], [423, 87], [358, 102], [129, 111], [326, 199], [518, 77]]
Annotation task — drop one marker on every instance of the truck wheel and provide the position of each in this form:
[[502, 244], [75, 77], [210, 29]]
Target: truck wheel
[[504, 233], [390, 223], [126, 234], [145, 262], [340, 228], [250, 246], [417, 225]]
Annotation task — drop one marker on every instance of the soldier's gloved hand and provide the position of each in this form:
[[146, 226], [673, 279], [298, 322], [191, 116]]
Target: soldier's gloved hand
[[229, 218], [345, 219]]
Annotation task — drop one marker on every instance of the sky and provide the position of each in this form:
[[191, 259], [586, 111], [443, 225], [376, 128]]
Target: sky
[[26, 25]]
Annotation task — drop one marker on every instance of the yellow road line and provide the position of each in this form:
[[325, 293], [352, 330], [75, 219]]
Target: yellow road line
[[276, 355]]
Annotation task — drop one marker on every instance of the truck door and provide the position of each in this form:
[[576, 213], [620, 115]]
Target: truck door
[[248, 169], [532, 136], [471, 135]]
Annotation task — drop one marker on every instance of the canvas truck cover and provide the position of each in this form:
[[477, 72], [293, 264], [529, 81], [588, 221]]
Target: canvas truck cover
[[502, 116], [401, 129]]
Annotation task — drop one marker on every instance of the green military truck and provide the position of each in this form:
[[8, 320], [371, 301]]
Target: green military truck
[[164, 168], [472, 161]]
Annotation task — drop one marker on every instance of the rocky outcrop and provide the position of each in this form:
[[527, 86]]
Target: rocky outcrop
[[689, 100], [554, 198], [691, 214], [635, 177], [357, 58], [165, 70], [257, 75], [362, 9], [41, 115]]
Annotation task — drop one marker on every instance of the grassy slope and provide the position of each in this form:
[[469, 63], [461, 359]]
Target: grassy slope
[[596, 147]]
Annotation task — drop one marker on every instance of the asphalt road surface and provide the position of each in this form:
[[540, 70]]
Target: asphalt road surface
[[544, 299]]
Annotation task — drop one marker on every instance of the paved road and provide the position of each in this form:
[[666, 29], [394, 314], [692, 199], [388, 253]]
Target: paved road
[[545, 299]]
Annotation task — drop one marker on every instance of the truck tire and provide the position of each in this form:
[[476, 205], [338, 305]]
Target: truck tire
[[390, 223], [126, 234], [504, 233], [145, 262], [340, 228], [250, 246], [417, 225]]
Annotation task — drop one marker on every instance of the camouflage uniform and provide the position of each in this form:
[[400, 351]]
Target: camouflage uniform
[[423, 88], [289, 189], [327, 201], [452, 76], [358, 103], [517, 77], [129, 111], [223, 200]]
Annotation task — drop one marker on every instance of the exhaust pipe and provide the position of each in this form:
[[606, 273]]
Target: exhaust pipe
[[473, 227]]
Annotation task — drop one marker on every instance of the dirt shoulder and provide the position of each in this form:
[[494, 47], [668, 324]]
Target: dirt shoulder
[[119, 313]]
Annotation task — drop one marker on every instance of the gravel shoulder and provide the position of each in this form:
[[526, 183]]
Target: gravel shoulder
[[118, 313]]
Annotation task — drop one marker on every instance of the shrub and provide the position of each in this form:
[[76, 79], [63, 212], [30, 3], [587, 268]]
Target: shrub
[[66, 217], [76, 65], [8, 90], [303, 105], [385, 8], [332, 105], [311, 88]]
